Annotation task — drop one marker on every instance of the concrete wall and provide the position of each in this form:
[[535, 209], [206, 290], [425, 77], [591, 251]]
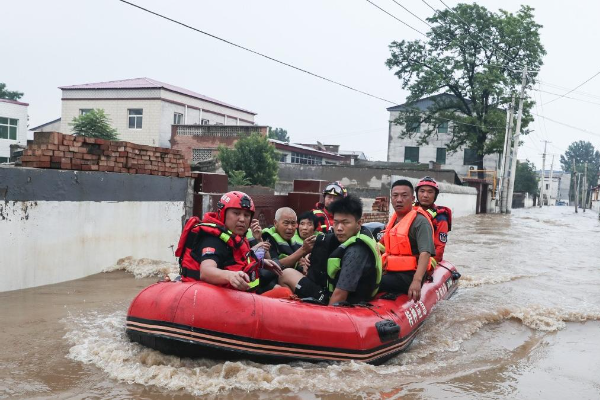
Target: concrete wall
[[18, 111], [62, 225]]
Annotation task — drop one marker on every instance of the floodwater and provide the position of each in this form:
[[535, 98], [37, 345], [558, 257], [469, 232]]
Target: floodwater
[[524, 324]]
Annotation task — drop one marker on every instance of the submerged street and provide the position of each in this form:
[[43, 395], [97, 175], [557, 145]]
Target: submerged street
[[525, 323]]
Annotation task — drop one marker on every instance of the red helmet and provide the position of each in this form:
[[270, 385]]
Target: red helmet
[[428, 181], [335, 189], [234, 199]]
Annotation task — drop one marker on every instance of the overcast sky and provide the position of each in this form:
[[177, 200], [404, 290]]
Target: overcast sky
[[49, 44]]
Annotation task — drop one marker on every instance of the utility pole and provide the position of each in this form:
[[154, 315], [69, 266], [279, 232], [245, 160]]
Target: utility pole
[[551, 173], [543, 174], [513, 169], [574, 177], [504, 170], [584, 188]]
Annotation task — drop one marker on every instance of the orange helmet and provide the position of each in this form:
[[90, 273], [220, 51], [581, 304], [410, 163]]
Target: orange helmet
[[428, 181], [234, 199]]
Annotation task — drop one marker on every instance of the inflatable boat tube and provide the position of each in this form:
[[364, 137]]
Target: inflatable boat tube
[[196, 319]]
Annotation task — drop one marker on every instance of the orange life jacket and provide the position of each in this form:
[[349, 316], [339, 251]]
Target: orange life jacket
[[244, 257], [398, 253]]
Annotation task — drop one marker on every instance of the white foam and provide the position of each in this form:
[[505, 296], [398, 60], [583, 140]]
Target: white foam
[[144, 267]]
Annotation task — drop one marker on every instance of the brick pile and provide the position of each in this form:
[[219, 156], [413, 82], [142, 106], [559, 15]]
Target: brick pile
[[60, 151]]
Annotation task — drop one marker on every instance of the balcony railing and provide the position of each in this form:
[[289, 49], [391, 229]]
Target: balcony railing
[[219, 130]]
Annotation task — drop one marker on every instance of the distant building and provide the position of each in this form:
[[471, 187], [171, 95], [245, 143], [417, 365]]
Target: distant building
[[143, 109], [556, 186], [350, 157], [303, 154], [409, 151], [13, 126], [52, 126]]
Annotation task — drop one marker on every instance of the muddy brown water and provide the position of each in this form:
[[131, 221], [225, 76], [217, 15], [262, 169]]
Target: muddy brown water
[[524, 324]]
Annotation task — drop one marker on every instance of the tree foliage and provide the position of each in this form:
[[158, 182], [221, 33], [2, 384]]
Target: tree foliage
[[96, 124], [238, 178], [526, 179], [279, 134], [581, 152], [474, 55], [9, 94], [255, 157]]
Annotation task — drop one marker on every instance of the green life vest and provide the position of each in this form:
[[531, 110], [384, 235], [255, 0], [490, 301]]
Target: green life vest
[[334, 263], [284, 248], [297, 239]]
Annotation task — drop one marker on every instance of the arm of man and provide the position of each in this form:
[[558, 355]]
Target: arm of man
[[291, 260], [440, 239], [423, 235], [338, 296], [211, 273]]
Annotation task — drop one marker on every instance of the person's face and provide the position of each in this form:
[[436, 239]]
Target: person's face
[[329, 198], [426, 195], [286, 226], [402, 199], [237, 220], [306, 229], [345, 226]]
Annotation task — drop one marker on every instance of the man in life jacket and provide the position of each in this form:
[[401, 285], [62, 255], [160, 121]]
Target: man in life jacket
[[441, 217], [408, 241], [332, 192], [281, 236], [345, 265], [216, 250]]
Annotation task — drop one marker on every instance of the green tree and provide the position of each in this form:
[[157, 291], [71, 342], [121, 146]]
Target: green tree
[[279, 134], [95, 124], [581, 152], [255, 157], [526, 179], [238, 178], [475, 56], [8, 94]]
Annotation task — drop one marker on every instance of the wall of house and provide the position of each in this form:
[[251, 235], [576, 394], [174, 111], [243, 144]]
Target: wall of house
[[13, 111], [62, 225]]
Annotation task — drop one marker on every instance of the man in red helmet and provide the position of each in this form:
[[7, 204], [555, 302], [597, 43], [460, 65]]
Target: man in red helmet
[[216, 249], [332, 192], [441, 217]]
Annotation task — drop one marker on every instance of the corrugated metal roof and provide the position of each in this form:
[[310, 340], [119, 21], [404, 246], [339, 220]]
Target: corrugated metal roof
[[423, 104], [147, 83]]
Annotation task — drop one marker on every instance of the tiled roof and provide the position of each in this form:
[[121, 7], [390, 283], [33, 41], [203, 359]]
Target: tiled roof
[[14, 102], [147, 83], [424, 103]]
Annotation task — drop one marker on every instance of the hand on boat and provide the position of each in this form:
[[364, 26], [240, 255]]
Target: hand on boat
[[414, 291], [273, 266], [256, 229], [239, 280]]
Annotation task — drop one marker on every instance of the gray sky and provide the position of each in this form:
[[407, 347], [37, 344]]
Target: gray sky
[[66, 42]]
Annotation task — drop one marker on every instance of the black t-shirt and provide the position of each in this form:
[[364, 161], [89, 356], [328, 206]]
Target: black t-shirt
[[213, 248], [358, 267]]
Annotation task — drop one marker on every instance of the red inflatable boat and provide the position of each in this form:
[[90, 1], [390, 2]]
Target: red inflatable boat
[[201, 320]]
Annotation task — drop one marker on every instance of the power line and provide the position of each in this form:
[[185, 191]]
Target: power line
[[568, 126], [552, 85], [566, 97], [576, 87], [256, 52], [396, 18], [413, 14]]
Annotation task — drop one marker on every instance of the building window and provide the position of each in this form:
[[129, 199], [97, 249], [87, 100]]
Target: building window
[[443, 127], [413, 125], [301, 158], [547, 186], [204, 122], [8, 128], [440, 156], [135, 118], [3, 160], [282, 157], [83, 111], [177, 119], [199, 155], [470, 157], [411, 154]]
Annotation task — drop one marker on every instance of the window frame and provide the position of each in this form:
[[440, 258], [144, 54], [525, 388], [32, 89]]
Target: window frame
[[437, 155], [413, 125], [177, 117], [472, 160], [135, 117], [412, 148], [12, 128], [305, 159], [444, 127], [83, 111], [204, 121]]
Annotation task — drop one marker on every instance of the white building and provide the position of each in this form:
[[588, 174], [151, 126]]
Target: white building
[[13, 126], [408, 150], [143, 110], [556, 185]]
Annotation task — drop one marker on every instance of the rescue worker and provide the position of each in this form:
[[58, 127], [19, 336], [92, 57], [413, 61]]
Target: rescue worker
[[345, 265], [408, 241], [216, 250], [331, 193], [281, 236], [441, 217]]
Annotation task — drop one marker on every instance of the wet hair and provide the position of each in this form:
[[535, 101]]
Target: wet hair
[[309, 215], [404, 182], [348, 205]]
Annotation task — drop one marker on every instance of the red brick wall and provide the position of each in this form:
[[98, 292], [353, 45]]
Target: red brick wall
[[60, 151]]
